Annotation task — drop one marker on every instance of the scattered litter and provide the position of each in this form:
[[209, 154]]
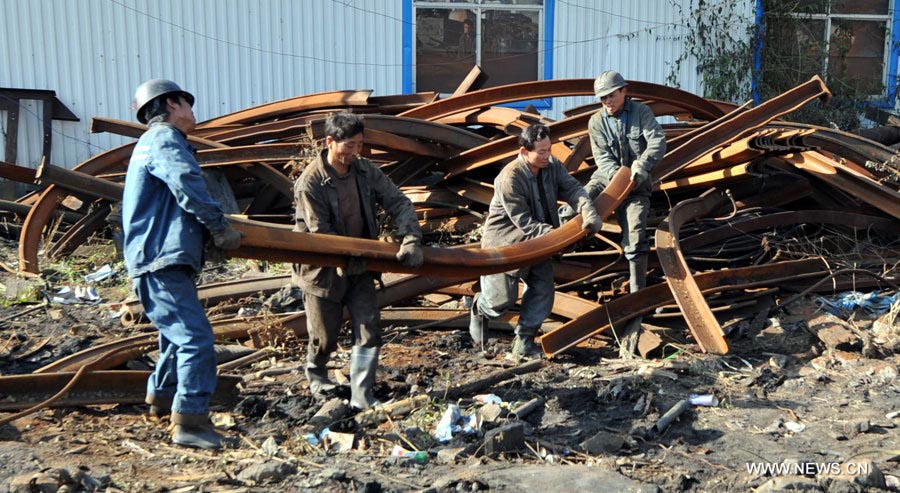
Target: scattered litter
[[314, 439], [420, 456], [101, 274], [794, 426], [487, 399], [81, 294], [707, 400], [453, 421], [892, 414], [670, 416], [845, 303], [521, 410]]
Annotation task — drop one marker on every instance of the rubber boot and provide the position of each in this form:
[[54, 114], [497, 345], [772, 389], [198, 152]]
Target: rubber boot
[[159, 406], [195, 430], [637, 280], [477, 324], [523, 346], [319, 383], [363, 364]]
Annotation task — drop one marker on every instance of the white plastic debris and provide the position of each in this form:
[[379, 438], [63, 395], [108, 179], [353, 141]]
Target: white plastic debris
[[99, 275]]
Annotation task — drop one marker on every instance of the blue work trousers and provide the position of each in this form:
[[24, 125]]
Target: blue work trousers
[[186, 370], [500, 291]]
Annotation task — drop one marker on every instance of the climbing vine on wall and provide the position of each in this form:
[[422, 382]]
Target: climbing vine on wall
[[725, 41]]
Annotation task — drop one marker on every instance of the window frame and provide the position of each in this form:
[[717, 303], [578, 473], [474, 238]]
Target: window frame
[[891, 21], [545, 41]]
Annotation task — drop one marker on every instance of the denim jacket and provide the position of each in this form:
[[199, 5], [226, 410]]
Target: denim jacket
[[645, 142], [166, 206], [514, 214], [318, 211]]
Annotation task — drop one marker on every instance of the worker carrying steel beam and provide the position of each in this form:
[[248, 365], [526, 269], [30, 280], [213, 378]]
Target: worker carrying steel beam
[[625, 133], [167, 215], [523, 208], [338, 194]]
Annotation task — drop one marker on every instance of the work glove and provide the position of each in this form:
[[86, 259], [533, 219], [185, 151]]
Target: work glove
[[566, 212], [355, 267], [228, 238], [410, 253], [638, 173], [590, 219]]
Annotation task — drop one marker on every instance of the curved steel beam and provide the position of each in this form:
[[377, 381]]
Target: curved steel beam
[[703, 324], [700, 107], [279, 243]]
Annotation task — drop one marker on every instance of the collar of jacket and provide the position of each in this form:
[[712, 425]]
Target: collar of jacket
[[322, 163], [626, 108], [167, 124], [527, 168]]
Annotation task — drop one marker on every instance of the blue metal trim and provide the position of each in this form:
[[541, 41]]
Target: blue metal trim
[[891, 101], [407, 46], [760, 30]]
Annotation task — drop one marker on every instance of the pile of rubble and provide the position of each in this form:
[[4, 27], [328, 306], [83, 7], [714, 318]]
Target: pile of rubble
[[750, 213]]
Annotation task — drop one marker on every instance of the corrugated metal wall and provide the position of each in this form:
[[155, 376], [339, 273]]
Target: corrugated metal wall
[[637, 38], [233, 54], [230, 53]]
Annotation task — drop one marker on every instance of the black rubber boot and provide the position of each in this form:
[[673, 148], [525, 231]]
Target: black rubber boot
[[478, 325], [195, 430], [319, 383], [159, 406], [628, 339], [363, 365], [523, 346]]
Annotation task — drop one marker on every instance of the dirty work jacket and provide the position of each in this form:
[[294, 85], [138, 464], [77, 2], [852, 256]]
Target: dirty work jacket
[[166, 206], [514, 213], [644, 142], [317, 211]]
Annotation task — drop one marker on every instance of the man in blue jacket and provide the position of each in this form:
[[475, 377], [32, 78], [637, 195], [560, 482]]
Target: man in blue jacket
[[167, 213]]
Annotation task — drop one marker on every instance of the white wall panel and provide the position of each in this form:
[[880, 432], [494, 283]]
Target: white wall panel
[[231, 54], [637, 38]]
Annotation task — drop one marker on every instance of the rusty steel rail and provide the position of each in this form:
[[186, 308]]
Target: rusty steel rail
[[95, 388], [279, 243], [213, 293], [838, 175], [701, 321], [722, 131], [621, 309], [309, 102], [697, 106]]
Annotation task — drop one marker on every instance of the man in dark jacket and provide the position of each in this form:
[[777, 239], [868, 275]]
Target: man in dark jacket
[[338, 194], [523, 208], [626, 133], [166, 213]]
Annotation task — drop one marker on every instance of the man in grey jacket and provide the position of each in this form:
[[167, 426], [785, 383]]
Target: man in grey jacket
[[338, 194], [626, 133], [523, 208]]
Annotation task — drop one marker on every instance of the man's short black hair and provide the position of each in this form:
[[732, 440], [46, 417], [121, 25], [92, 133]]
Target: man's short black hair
[[343, 125], [532, 134]]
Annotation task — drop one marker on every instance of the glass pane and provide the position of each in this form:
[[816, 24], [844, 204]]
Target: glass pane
[[509, 49], [856, 55], [445, 48], [877, 7], [513, 2]]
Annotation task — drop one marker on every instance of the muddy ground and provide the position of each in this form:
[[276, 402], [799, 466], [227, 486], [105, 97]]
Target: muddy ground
[[800, 389]]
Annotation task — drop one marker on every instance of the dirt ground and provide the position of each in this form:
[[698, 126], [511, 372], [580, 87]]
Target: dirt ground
[[808, 392]]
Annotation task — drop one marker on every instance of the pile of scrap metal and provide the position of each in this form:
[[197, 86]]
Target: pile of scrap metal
[[746, 206]]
